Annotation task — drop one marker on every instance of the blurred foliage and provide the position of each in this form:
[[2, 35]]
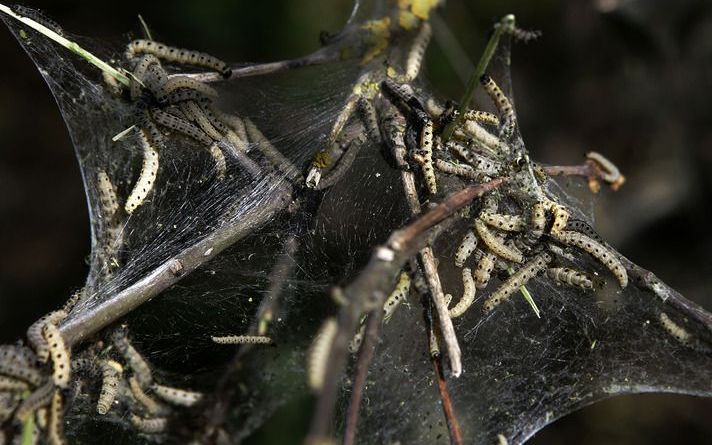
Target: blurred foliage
[[629, 78]]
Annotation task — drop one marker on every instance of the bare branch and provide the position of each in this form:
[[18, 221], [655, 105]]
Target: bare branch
[[368, 291]]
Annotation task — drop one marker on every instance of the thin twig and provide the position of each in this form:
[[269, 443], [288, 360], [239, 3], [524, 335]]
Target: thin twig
[[453, 424], [368, 291], [430, 271], [317, 58], [366, 353]]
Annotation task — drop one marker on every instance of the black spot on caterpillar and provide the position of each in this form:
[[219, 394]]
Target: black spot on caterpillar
[[38, 17], [178, 55]]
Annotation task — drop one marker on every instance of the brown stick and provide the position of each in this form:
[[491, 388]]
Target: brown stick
[[453, 425], [366, 353], [368, 291]]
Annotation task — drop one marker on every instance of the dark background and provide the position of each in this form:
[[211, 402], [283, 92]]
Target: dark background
[[631, 79]]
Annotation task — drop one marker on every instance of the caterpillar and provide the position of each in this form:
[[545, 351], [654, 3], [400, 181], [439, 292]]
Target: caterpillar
[[569, 276], [482, 117], [211, 115], [147, 177], [178, 55], [468, 294], [582, 226], [11, 384], [524, 35], [180, 125], [462, 170], [508, 223], [283, 164], [175, 396], [370, 121], [61, 355], [327, 156], [107, 195], [560, 214], [150, 405], [598, 251], [153, 425], [400, 293], [424, 157], [242, 340], [504, 106], [674, 329], [481, 164], [140, 368], [353, 147], [318, 354], [219, 158], [392, 129], [483, 272], [355, 343], [417, 51], [39, 398], [195, 113], [483, 138], [111, 372], [611, 174], [496, 244], [56, 427], [465, 249], [16, 362], [185, 83], [38, 17], [538, 220], [35, 337], [139, 75], [516, 280]]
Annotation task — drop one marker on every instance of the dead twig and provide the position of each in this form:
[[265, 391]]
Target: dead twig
[[368, 291]]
